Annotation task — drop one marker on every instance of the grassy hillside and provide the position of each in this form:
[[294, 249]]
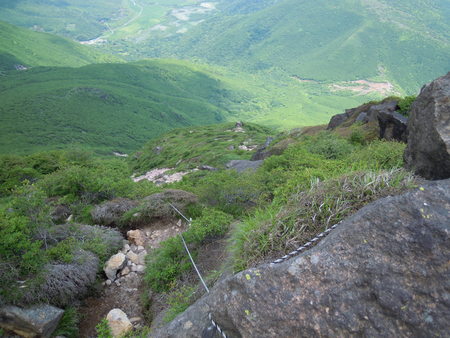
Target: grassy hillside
[[19, 46], [107, 107], [406, 42], [188, 148]]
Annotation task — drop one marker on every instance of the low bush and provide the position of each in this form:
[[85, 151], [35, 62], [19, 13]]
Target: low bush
[[379, 154], [103, 330], [68, 325], [279, 229], [405, 104], [166, 264]]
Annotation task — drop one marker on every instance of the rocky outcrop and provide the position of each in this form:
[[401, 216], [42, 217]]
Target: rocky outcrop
[[243, 165], [35, 321], [118, 322], [110, 212], [382, 272], [428, 150], [389, 123], [262, 152]]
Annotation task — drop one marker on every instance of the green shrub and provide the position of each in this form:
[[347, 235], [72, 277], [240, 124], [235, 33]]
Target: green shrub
[[62, 251], [68, 325], [166, 264], [230, 191], [329, 146], [179, 300], [405, 104], [103, 330]]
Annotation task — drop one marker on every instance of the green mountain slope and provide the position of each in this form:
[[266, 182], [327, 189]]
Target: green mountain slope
[[19, 46], [404, 42], [107, 107]]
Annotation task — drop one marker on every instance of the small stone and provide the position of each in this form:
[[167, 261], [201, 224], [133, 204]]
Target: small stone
[[117, 282], [129, 263], [135, 319], [136, 237], [141, 258], [134, 258], [140, 268], [108, 282], [140, 248], [126, 247], [125, 271]]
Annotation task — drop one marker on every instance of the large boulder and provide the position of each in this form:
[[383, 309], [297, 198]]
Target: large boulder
[[428, 150], [157, 206], [36, 321], [382, 272], [111, 212], [118, 322]]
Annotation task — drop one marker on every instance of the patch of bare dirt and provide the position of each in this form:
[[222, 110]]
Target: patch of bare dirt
[[364, 87]]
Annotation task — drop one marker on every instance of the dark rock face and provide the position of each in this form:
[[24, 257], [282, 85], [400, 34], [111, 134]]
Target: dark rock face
[[35, 321], [382, 272], [262, 153], [391, 125], [243, 165], [110, 213], [337, 120], [428, 151]]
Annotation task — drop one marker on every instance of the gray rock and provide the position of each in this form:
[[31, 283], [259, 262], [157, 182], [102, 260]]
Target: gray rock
[[243, 165], [110, 212], [382, 272], [392, 126], [34, 321], [115, 263], [362, 117], [261, 153], [428, 150], [207, 167], [337, 120], [60, 214]]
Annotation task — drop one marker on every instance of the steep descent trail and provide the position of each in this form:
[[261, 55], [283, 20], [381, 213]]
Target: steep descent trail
[[126, 291]]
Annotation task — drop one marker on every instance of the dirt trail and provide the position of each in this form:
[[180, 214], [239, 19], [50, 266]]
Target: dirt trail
[[127, 292]]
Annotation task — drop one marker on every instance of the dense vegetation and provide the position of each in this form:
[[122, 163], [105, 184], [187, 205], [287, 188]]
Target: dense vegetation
[[22, 47], [107, 107]]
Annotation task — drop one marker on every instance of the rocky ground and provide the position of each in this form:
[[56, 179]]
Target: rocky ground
[[124, 287]]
